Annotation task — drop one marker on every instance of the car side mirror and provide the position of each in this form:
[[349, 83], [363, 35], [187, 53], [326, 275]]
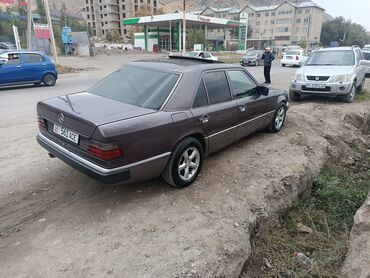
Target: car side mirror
[[364, 63], [263, 90]]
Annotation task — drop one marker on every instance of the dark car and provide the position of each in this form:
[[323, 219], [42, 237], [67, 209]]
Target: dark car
[[157, 117], [252, 58], [26, 66]]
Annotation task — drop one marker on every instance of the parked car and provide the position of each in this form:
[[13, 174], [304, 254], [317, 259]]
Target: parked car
[[157, 117], [366, 47], [337, 71], [7, 45], [366, 55], [252, 57], [201, 54], [291, 48], [25, 66], [295, 58]]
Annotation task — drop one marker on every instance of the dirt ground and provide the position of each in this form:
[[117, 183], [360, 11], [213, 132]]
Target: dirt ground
[[56, 222]]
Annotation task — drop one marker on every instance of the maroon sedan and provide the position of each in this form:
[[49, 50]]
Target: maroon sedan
[[157, 117]]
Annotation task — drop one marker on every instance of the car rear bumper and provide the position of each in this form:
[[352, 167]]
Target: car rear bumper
[[142, 170], [291, 62], [248, 62], [331, 88]]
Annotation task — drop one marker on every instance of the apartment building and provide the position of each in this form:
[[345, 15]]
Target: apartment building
[[285, 24], [107, 15]]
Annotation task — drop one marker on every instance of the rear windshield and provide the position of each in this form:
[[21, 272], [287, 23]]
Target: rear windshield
[[137, 86], [332, 58], [293, 53], [366, 55]]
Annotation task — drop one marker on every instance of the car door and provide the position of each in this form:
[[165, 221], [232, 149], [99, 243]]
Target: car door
[[11, 70], [34, 66], [253, 107], [361, 69], [215, 111]]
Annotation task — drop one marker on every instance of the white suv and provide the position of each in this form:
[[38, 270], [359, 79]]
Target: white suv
[[337, 71]]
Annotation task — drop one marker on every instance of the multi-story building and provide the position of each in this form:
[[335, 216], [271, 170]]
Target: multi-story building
[[288, 23], [107, 15]]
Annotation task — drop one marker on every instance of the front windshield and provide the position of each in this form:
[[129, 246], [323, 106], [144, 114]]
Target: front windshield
[[331, 58], [366, 55], [137, 86], [191, 54], [251, 53]]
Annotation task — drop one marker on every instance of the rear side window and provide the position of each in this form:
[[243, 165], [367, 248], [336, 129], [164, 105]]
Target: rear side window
[[217, 87], [201, 96], [206, 55], [366, 55], [242, 84], [33, 58]]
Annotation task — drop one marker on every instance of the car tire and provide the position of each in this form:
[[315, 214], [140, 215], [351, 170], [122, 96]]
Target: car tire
[[283, 65], [185, 163], [278, 120], [293, 95], [49, 79], [243, 64], [350, 96]]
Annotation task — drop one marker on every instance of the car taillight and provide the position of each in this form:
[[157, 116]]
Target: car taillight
[[105, 152], [41, 122]]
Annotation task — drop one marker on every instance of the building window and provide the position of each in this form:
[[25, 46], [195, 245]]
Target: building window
[[272, 22], [101, 8], [298, 20], [251, 14], [299, 11], [102, 24], [305, 21], [105, 6], [87, 1], [273, 14], [141, 1], [101, 16], [124, 31], [258, 23], [123, 7], [307, 11], [88, 16], [155, 3], [87, 9], [258, 14], [297, 29], [282, 29], [136, 8], [124, 15], [102, 31], [267, 14], [105, 14]]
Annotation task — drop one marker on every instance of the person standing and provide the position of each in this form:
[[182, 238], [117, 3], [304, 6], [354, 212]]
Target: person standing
[[267, 57]]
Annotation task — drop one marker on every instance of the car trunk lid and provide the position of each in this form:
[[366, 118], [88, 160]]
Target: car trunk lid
[[83, 112]]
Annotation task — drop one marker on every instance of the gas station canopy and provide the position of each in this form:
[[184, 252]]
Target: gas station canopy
[[163, 31]]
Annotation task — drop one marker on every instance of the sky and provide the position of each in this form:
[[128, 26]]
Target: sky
[[356, 10]]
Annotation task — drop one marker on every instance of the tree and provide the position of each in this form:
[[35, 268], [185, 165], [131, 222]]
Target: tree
[[40, 8], [196, 36], [343, 31]]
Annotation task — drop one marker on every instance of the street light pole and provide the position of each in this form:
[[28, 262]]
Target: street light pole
[[29, 25], [184, 28], [52, 40]]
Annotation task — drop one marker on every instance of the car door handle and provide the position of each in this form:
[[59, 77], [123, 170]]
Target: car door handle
[[242, 108], [203, 119]]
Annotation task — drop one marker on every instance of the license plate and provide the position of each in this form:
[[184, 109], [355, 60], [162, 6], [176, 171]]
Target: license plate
[[289, 57], [66, 133], [316, 86]]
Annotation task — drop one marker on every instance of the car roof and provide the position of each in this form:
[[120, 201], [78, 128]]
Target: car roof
[[337, 48], [21, 51], [180, 65]]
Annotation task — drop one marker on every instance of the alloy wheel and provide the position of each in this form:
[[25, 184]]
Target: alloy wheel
[[189, 163]]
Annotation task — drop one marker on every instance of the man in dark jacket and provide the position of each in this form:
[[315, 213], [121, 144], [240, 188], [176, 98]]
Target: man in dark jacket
[[267, 57]]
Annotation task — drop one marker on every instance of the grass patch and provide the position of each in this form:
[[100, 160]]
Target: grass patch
[[362, 96], [327, 213]]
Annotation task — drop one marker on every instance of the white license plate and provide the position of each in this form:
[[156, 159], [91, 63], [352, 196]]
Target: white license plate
[[66, 133], [316, 86], [289, 57]]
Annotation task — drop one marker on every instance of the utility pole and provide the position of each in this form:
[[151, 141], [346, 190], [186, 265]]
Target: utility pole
[[184, 28], [29, 25], [52, 40]]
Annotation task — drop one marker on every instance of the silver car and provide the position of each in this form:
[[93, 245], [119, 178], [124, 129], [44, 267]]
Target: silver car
[[366, 54], [337, 71]]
